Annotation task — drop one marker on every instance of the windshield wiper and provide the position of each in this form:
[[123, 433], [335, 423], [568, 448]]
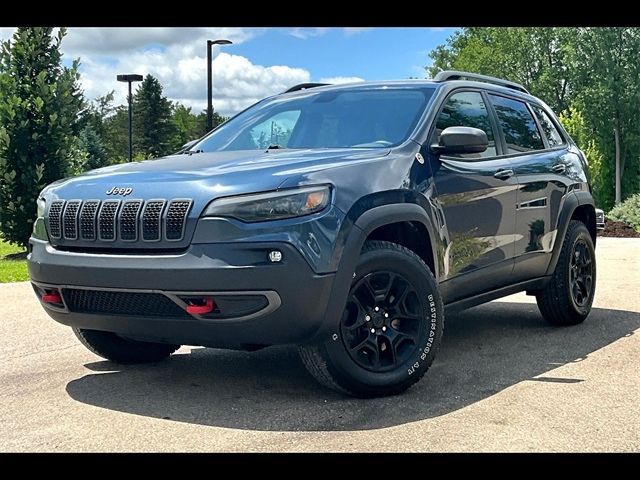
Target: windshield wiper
[[191, 152], [274, 147]]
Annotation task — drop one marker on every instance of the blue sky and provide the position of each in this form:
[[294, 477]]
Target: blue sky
[[375, 54], [261, 62]]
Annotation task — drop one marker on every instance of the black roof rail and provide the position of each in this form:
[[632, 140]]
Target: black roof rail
[[304, 86], [456, 75]]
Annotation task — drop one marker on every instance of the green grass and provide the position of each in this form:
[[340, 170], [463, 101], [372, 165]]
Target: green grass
[[13, 265]]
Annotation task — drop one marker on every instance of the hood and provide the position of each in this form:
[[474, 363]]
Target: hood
[[205, 176]]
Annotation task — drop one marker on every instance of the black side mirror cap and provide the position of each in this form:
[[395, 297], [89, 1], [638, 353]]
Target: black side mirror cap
[[461, 140]]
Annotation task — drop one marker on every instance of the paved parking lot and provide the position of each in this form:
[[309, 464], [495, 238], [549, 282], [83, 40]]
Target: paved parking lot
[[503, 381]]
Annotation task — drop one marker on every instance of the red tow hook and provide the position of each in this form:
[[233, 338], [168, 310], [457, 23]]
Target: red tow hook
[[53, 297], [202, 309]]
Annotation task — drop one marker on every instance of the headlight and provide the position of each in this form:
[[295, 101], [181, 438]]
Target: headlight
[[39, 230], [41, 207], [261, 207]]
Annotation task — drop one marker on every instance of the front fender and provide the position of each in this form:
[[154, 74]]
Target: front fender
[[366, 223]]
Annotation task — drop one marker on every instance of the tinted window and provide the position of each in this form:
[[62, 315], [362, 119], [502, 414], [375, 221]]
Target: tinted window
[[365, 118], [548, 128], [519, 128], [466, 109]]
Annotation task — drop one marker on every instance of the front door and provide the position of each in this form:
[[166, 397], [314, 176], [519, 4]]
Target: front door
[[477, 194]]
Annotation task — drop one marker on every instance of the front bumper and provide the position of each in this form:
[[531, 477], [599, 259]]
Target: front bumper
[[297, 297]]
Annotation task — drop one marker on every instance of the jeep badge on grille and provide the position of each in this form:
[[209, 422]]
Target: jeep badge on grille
[[119, 191]]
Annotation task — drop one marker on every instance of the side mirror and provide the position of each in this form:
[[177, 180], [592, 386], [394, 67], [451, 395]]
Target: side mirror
[[461, 140]]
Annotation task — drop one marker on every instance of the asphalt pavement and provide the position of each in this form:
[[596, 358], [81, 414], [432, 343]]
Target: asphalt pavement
[[503, 380]]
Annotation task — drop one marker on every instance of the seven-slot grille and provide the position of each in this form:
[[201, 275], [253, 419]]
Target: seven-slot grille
[[151, 220], [88, 219], [129, 220], [55, 222], [112, 220], [107, 220], [174, 226]]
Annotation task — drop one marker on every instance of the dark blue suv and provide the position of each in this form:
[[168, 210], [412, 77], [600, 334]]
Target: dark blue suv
[[341, 219]]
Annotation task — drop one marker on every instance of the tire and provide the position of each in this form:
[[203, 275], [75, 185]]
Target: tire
[[117, 349], [564, 301], [358, 362]]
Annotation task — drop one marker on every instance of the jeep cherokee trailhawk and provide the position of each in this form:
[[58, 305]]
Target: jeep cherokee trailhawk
[[339, 218]]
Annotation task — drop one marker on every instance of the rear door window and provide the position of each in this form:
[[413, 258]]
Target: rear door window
[[518, 126], [548, 127]]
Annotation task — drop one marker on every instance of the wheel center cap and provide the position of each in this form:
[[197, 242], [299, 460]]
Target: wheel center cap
[[377, 320]]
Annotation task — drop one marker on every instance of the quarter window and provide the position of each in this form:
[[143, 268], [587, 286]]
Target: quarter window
[[520, 130], [466, 109], [553, 135]]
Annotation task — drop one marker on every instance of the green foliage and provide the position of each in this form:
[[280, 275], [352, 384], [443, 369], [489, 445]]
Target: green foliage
[[153, 129], [628, 212], [190, 126], [600, 172], [537, 57], [40, 102], [13, 266], [90, 144], [607, 84]]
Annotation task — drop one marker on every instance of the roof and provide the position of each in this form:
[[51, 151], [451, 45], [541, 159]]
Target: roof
[[451, 82]]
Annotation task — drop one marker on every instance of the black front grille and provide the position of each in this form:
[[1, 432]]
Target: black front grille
[[88, 219], [70, 220], [176, 216], [113, 220], [121, 303], [129, 220], [107, 220], [151, 220], [55, 214]]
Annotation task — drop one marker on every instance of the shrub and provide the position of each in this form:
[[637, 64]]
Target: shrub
[[628, 212]]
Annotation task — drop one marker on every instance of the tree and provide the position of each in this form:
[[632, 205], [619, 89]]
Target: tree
[[153, 130], [91, 143], [608, 81], [40, 104], [592, 71], [540, 58]]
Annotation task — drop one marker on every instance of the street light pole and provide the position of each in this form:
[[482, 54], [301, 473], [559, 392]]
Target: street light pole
[[210, 43], [130, 78]]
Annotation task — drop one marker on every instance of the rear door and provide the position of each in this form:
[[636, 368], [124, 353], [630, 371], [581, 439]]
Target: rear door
[[537, 160], [477, 194]]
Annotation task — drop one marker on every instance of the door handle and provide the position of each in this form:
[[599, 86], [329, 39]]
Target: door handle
[[503, 174], [559, 168]]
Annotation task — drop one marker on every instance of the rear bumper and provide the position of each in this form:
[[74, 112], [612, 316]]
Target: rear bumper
[[296, 298]]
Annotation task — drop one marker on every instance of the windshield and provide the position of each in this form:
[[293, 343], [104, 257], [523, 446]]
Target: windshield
[[354, 118]]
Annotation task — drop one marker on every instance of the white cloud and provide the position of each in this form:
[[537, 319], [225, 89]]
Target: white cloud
[[348, 31], [237, 83], [116, 40], [303, 33], [337, 80], [177, 57]]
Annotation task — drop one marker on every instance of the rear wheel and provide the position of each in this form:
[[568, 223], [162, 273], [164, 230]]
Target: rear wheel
[[121, 350], [390, 329], [568, 297]]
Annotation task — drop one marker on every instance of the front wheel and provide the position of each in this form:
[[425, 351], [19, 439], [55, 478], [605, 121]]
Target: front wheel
[[122, 350], [390, 329]]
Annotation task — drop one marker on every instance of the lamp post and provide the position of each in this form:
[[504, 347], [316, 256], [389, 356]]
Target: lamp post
[[210, 43], [129, 78]]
